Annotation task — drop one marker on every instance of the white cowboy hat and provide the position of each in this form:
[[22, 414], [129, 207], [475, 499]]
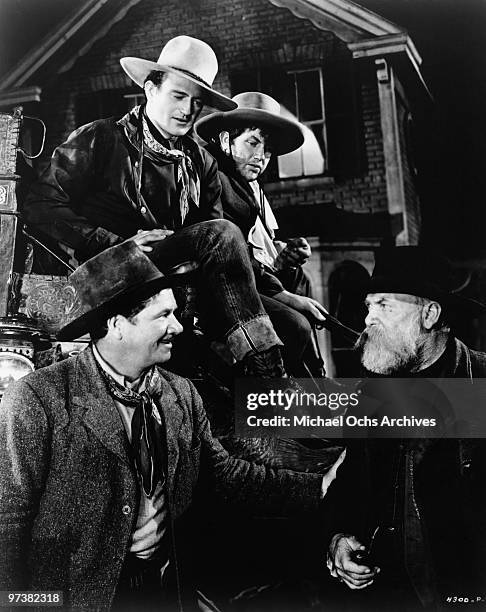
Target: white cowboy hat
[[187, 57], [254, 109]]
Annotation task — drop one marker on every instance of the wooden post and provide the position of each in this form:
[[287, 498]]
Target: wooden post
[[9, 137], [395, 185]]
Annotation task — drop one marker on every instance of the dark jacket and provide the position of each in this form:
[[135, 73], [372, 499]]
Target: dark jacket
[[94, 193], [468, 363], [240, 207], [68, 490]]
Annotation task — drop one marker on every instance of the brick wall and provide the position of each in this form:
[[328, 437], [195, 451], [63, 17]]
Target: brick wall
[[243, 33]]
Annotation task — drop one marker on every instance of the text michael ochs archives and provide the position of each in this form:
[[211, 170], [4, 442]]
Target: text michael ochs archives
[[286, 400]]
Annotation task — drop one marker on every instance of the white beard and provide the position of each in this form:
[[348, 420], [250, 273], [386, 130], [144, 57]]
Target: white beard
[[383, 353]]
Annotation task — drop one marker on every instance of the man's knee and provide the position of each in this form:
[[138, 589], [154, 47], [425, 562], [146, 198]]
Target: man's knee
[[298, 330], [303, 327], [226, 230]]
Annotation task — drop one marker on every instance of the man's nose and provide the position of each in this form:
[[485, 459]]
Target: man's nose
[[187, 106], [370, 317], [174, 325], [259, 153]]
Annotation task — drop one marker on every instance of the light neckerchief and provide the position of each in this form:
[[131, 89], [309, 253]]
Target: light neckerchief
[[147, 435], [262, 233], [187, 177]]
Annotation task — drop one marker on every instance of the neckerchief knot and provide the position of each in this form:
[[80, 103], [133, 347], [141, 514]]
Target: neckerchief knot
[[187, 177]]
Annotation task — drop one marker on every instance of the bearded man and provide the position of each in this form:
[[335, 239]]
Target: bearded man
[[421, 500]]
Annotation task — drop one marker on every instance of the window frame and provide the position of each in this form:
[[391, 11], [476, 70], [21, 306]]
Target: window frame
[[313, 122]]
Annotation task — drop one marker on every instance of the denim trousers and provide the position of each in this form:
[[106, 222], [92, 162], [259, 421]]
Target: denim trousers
[[228, 298]]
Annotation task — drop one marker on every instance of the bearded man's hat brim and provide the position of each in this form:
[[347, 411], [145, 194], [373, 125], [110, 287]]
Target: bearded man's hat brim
[[420, 272]]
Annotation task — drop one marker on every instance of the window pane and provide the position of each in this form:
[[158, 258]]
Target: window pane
[[291, 164], [308, 160], [317, 130], [282, 89], [314, 153], [309, 92]]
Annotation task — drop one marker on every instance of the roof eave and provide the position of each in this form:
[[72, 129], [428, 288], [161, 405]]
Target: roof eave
[[348, 20], [382, 46], [73, 27], [38, 56]]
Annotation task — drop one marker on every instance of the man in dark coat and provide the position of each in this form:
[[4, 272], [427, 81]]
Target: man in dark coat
[[100, 454], [242, 141], [144, 178], [421, 501]]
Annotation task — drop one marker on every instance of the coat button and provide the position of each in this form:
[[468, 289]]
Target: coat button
[[126, 509], [143, 209]]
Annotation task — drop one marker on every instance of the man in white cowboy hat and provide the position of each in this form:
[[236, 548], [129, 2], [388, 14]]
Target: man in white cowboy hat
[[143, 178], [100, 454], [242, 141], [422, 503]]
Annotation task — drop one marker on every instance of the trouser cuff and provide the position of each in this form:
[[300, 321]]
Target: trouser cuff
[[253, 336]]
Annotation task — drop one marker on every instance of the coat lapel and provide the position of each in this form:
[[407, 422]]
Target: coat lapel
[[89, 394], [171, 412]]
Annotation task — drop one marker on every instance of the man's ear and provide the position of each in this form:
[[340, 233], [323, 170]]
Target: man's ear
[[115, 326], [224, 141], [149, 89], [431, 314]]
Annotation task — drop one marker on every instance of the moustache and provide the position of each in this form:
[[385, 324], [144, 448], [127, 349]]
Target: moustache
[[370, 334], [362, 339]]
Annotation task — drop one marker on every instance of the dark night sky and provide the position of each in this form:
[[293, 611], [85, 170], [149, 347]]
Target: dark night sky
[[450, 145]]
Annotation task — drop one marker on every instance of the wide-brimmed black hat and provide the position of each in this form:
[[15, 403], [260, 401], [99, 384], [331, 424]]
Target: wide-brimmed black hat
[[259, 110], [118, 277], [419, 271]]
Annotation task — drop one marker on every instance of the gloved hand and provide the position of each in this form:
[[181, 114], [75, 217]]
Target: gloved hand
[[296, 252]]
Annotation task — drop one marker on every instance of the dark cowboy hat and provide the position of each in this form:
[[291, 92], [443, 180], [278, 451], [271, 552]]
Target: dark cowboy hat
[[187, 57], [418, 271], [118, 277], [259, 110]]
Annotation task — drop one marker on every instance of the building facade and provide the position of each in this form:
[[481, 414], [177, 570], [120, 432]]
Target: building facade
[[351, 77]]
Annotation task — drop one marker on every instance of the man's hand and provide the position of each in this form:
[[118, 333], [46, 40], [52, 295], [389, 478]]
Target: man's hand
[[331, 473], [341, 565], [143, 238], [309, 307], [296, 252]]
